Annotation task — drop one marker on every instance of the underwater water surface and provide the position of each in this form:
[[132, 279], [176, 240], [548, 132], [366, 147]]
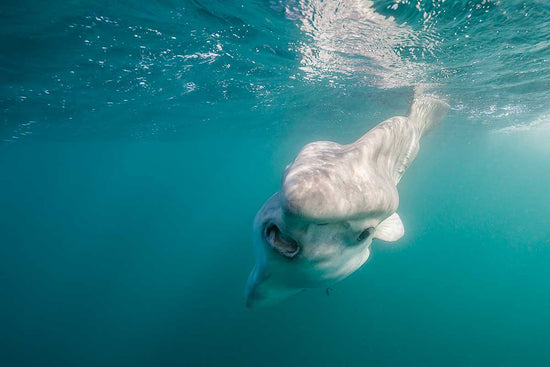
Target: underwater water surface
[[139, 138]]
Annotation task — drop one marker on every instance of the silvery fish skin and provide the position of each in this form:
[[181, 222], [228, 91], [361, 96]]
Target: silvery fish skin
[[333, 201]]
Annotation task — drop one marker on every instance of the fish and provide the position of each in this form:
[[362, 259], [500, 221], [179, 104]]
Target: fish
[[334, 200]]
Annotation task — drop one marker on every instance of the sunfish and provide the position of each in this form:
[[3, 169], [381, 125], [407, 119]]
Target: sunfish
[[333, 201]]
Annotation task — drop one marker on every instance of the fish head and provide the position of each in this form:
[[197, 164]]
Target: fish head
[[319, 227], [294, 253]]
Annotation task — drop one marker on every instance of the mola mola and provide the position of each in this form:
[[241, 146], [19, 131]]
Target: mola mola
[[333, 201]]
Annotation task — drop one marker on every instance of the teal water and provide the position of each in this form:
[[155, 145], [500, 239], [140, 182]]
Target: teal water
[[138, 140]]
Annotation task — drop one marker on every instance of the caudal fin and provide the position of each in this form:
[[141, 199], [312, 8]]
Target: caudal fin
[[427, 112]]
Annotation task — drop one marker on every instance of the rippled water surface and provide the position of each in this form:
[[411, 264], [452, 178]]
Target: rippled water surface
[[139, 138]]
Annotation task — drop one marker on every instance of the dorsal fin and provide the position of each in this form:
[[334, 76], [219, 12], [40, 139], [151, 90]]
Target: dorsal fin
[[332, 181], [394, 143]]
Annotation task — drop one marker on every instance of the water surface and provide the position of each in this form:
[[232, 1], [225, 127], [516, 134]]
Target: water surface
[[138, 140]]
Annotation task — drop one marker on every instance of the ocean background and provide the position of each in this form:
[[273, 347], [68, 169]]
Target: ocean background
[[139, 138]]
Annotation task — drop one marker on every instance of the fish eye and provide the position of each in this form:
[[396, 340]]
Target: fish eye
[[367, 232], [280, 242]]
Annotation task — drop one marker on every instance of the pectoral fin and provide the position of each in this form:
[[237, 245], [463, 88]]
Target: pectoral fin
[[391, 229]]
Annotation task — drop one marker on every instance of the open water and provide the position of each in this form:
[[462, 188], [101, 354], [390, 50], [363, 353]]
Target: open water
[[139, 138]]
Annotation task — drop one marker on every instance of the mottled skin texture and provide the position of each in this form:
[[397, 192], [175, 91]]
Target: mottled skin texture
[[334, 199]]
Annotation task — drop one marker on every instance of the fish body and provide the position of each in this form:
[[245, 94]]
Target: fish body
[[333, 201]]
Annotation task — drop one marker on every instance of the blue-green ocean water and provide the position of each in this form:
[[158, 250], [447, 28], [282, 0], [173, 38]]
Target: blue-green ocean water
[[139, 138]]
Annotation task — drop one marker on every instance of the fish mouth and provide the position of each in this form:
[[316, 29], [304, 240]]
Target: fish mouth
[[280, 242]]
